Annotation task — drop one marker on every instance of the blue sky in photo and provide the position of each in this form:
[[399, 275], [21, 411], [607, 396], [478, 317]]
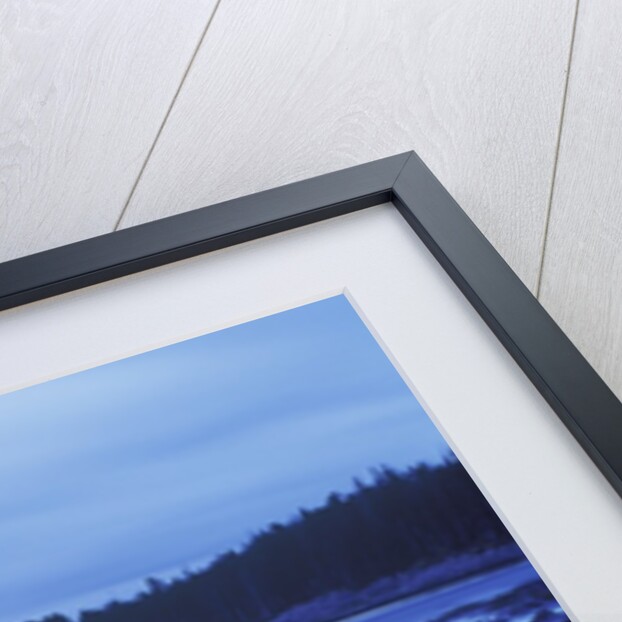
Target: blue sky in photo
[[147, 465]]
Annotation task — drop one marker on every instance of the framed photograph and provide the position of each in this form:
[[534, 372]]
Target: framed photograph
[[330, 401]]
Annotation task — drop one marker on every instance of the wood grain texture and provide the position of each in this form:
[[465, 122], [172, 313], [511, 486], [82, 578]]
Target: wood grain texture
[[582, 270], [84, 87], [279, 92]]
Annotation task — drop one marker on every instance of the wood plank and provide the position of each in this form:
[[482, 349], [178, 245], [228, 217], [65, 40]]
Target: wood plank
[[84, 87], [279, 92], [582, 275]]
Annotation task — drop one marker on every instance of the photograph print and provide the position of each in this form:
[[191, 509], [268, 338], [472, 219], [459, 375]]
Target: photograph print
[[276, 471]]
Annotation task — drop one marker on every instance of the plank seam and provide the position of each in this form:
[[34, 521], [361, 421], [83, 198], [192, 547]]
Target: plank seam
[[547, 217], [166, 116]]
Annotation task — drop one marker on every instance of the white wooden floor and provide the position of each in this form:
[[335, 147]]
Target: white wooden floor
[[116, 113]]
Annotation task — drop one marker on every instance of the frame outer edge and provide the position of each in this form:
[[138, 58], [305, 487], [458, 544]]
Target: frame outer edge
[[185, 235], [573, 389]]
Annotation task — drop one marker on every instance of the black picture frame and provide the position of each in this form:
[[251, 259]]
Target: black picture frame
[[572, 388]]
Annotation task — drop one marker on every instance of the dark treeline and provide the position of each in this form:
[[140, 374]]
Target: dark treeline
[[402, 520]]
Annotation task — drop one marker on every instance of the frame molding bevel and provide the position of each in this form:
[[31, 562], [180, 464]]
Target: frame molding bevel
[[572, 388]]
